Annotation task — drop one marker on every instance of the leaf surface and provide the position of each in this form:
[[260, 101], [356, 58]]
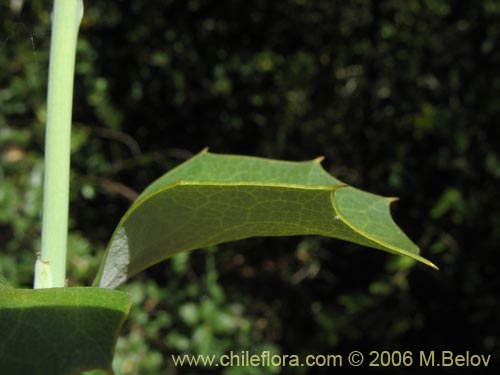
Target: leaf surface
[[212, 199], [59, 331]]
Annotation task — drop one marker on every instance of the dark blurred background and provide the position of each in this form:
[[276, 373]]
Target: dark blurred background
[[401, 97]]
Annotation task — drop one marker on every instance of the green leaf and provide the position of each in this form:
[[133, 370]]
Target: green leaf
[[212, 199], [59, 331]]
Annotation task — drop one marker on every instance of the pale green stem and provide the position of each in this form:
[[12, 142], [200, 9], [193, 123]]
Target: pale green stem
[[50, 268]]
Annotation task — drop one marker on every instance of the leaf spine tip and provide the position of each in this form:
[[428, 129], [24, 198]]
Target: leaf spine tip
[[205, 150], [392, 199], [427, 262], [434, 266], [319, 159]]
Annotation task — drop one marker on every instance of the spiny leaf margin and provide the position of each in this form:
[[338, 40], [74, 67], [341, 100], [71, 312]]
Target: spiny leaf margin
[[225, 184]]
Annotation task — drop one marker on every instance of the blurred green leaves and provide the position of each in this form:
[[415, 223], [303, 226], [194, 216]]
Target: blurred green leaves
[[190, 314]]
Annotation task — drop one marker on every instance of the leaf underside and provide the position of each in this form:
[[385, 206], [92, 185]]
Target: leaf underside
[[212, 199], [59, 331]]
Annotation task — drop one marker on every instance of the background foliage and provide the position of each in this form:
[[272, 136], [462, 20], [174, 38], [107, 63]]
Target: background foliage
[[402, 98]]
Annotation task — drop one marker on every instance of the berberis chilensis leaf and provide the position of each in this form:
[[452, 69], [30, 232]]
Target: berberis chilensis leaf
[[59, 331], [211, 199]]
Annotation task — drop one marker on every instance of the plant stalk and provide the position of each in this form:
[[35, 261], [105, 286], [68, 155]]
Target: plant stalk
[[50, 268]]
